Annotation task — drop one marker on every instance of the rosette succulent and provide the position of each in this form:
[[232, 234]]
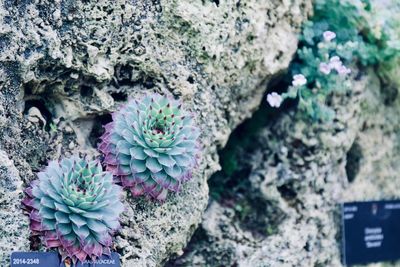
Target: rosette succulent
[[74, 206], [151, 146]]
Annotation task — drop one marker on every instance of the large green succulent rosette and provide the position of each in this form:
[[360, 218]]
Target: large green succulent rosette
[[74, 206], [151, 146]]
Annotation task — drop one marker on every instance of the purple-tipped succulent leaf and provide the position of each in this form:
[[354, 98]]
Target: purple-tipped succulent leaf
[[75, 207], [151, 146]]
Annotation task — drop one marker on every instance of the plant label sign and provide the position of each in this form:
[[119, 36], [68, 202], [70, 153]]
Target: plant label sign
[[34, 259], [103, 261], [52, 259], [371, 231]]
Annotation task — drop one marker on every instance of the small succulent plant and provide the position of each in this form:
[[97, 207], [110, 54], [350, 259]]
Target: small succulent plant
[[74, 206], [151, 146]]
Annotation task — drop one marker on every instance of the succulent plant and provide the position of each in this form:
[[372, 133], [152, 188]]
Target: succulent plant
[[74, 206], [151, 146]]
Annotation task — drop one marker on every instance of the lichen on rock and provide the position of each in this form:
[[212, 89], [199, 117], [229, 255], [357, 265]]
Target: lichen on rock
[[292, 179], [76, 62]]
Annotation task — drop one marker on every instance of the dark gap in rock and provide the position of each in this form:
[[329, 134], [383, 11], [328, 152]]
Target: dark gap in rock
[[307, 246], [360, 73], [223, 187], [216, 2], [257, 216], [7, 19], [287, 192], [198, 236], [238, 4], [119, 96], [231, 186], [242, 138], [66, 76], [149, 83], [389, 93], [233, 178], [123, 74], [98, 129], [86, 91], [190, 79], [279, 55], [45, 11], [49, 70], [67, 90], [108, 52], [28, 88], [354, 156]]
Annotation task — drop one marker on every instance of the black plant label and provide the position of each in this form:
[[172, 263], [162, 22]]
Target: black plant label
[[371, 231]]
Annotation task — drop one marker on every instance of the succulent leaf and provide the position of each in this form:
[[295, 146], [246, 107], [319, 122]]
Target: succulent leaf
[[151, 146], [75, 207]]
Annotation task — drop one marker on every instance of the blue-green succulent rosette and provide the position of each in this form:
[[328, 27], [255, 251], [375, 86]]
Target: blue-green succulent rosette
[[74, 206], [151, 146]]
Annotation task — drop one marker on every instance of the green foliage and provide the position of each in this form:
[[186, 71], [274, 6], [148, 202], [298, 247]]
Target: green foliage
[[151, 146], [366, 34], [372, 27], [230, 163], [75, 207], [312, 95], [53, 127]]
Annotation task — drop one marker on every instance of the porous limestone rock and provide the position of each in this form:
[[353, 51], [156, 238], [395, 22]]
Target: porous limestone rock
[[372, 161], [14, 234], [74, 62], [295, 176]]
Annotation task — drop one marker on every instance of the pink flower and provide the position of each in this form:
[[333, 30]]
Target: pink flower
[[299, 80], [335, 62], [329, 36], [324, 68], [343, 70], [274, 100]]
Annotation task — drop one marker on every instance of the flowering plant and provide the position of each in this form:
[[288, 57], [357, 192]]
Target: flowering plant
[[322, 71], [342, 33]]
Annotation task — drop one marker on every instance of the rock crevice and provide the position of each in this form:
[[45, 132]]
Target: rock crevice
[[82, 59]]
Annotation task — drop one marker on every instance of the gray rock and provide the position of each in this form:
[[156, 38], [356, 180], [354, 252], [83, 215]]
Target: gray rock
[[78, 61], [14, 234], [294, 178], [374, 156]]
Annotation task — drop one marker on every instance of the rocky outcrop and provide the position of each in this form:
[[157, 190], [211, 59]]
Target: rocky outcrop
[[14, 234], [65, 65], [281, 206]]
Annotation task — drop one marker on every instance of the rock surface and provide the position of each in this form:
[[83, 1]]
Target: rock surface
[[281, 205], [65, 66], [14, 234]]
